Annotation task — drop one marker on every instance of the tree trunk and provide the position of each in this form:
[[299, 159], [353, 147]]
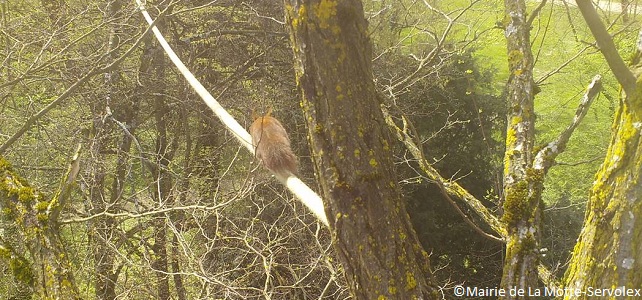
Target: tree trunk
[[625, 5], [45, 267], [607, 256], [522, 183], [609, 250], [102, 231], [375, 241], [162, 178]]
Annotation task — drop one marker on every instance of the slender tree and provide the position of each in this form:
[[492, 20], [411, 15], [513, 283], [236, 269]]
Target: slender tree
[[526, 167], [160, 172], [105, 266]]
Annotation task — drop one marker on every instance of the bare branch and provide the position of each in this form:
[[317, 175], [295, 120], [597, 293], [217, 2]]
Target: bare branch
[[451, 188], [444, 192], [545, 157], [441, 40], [70, 91], [577, 163], [306, 195], [152, 212], [563, 65], [535, 13], [59, 201]]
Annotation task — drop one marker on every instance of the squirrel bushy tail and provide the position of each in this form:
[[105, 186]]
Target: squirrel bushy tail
[[272, 145]]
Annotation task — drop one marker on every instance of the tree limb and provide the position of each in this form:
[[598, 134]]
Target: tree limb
[[535, 13], [545, 158], [440, 41], [453, 189], [58, 202], [607, 47], [449, 188], [153, 212]]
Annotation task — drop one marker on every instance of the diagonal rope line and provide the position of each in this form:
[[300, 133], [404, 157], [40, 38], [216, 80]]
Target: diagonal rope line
[[307, 197]]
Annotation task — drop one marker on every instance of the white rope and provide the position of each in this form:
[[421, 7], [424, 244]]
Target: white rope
[[306, 195]]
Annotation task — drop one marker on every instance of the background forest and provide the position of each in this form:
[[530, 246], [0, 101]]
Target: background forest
[[153, 199]]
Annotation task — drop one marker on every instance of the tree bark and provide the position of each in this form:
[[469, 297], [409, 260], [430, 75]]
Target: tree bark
[[162, 177], [522, 184], [375, 241], [45, 267], [102, 232], [625, 5], [607, 254]]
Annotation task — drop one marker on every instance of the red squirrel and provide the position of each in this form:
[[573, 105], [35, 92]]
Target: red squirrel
[[272, 145]]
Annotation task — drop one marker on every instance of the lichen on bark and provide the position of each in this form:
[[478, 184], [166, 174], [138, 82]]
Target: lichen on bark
[[35, 252]]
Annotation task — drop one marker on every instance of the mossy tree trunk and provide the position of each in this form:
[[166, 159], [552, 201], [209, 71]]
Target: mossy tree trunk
[[375, 241], [525, 168], [522, 183], [45, 266], [608, 253]]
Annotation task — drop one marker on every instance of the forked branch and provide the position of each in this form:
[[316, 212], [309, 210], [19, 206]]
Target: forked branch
[[545, 157]]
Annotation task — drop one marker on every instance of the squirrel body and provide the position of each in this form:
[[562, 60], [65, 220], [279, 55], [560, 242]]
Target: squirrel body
[[272, 145]]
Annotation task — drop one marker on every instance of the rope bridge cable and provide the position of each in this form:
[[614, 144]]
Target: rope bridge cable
[[306, 195]]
